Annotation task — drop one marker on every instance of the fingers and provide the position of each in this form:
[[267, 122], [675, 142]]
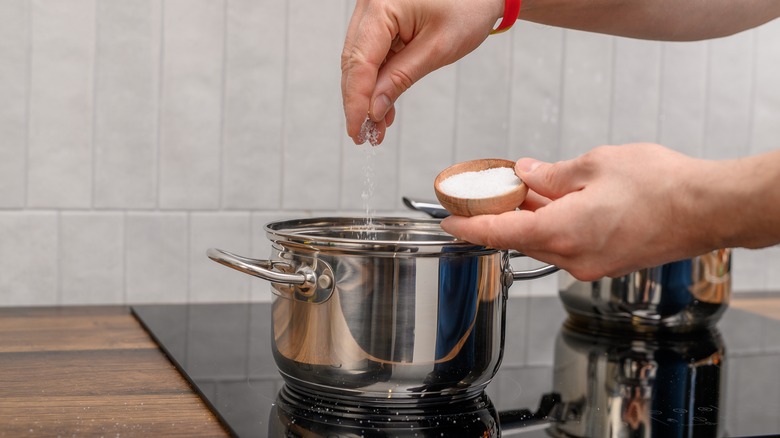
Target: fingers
[[366, 45], [514, 229], [534, 201], [553, 180]]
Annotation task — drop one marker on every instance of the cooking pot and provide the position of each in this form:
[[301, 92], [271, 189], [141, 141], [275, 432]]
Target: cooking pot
[[682, 296], [390, 308]]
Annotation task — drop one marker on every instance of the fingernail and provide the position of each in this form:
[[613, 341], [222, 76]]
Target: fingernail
[[381, 107], [528, 165]]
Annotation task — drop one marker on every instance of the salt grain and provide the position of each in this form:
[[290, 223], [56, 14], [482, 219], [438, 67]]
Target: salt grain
[[480, 184], [368, 133]]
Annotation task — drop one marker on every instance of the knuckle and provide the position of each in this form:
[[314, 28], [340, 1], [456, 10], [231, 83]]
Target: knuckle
[[401, 80]]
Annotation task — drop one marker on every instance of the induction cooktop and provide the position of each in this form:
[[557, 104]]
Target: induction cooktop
[[554, 380]]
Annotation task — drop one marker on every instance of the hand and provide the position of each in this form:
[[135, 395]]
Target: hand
[[609, 212], [391, 44]]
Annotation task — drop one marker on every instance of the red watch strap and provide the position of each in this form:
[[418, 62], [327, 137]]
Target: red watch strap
[[511, 12]]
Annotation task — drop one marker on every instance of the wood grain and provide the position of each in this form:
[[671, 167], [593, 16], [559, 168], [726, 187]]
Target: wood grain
[[769, 307], [83, 371]]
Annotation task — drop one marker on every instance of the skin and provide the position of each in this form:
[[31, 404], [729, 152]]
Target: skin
[[615, 209]]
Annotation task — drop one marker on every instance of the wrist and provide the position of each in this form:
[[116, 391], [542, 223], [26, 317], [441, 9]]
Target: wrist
[[510, 10]]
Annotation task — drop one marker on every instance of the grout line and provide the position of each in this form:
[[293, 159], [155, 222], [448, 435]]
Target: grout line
[[223, 79], [455, 124], [124, 258], [59, 259], [27, 112], [93, 133], [510, 98], [612, 91], [750, 137], [251, 255], [284, 108], [659, 75], [188, 249], [343, 140], [707, 84], [160, 85], [399, 128], [659, 121], [561, 97]]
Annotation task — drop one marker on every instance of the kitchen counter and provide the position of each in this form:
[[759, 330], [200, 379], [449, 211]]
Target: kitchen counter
[[91, 371], [95, 371]]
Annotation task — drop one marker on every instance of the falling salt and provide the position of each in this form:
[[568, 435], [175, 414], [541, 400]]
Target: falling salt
[[369, 232], [480, 184]]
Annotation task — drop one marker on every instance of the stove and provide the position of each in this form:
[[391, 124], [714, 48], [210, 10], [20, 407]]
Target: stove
[[554, 380]]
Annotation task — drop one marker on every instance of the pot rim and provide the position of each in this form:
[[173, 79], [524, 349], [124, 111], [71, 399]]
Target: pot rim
[[404, 234]]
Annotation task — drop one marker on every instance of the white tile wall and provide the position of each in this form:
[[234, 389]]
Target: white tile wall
[[253, 102], [683, 97], [157, 257], [536, 92], [193, 41], [14, 77], [29, 269], [588, 67], [61, 100], [126, 103], [91, 257], [136, 134], [729, 96], [635, 91]]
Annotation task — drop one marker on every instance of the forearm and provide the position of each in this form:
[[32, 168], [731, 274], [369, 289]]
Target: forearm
[[741, 201], [670, 20]]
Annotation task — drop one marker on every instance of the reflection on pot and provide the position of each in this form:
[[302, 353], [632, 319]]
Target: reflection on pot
[[396, 327], [638, 387], [298, 414]]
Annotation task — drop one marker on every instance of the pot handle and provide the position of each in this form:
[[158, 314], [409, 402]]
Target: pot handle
[[311, 285], [531, 273]]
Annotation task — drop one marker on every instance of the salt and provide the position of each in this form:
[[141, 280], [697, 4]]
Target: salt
[[368, 133], [480, 184]]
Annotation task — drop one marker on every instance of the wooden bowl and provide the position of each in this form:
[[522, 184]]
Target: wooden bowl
[[507, 201]]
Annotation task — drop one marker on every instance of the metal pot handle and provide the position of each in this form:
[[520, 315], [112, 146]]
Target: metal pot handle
[[311, 283], [532, 273], [437, 211]]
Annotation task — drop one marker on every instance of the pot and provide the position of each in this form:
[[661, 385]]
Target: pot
[[683, 296], [393, 308]]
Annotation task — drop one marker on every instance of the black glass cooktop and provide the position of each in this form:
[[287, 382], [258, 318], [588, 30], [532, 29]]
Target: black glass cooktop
[[553, 381]]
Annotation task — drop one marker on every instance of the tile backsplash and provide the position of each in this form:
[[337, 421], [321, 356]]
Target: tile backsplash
[[135, 134]]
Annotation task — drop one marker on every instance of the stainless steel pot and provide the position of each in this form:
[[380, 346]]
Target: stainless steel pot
[[394, 308], [682, 296]]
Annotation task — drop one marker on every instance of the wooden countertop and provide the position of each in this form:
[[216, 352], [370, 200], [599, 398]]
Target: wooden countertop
[[94, 371], [91, 371]]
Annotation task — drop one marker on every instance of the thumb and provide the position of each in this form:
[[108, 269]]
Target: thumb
[[402, 70], [551, 180]]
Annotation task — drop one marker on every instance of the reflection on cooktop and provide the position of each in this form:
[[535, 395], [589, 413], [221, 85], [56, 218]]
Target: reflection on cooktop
[[554, 380]]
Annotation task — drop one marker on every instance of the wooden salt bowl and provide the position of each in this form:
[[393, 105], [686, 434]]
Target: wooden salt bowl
[[507, 201]]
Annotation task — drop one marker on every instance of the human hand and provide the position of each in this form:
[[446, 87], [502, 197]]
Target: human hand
[[609, 212], [391, 44]]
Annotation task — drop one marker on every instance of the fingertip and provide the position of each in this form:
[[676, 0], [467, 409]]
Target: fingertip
[[390, 117], [380, 107], [526, 165]]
